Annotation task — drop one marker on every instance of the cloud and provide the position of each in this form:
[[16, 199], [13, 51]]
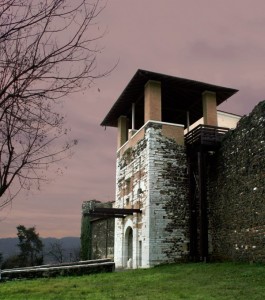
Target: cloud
[[205, 50]]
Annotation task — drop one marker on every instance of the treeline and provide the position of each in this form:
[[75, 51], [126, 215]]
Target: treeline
[[32, 250]]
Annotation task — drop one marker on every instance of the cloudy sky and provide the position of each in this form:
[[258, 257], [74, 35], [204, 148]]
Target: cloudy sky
[[219, 42]]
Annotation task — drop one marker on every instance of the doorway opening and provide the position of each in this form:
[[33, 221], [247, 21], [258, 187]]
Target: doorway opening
[[128, 247]]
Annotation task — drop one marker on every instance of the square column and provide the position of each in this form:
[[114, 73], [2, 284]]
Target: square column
[[122, 130], [209, 108], [152, 101]]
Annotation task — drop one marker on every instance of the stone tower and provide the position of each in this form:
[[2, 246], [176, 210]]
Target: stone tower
[[152, 206]]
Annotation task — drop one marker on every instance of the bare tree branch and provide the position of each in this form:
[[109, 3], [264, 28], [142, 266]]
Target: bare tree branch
[[48, 49]]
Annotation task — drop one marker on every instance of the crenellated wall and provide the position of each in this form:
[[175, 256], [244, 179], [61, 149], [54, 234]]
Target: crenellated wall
[[237, 192]]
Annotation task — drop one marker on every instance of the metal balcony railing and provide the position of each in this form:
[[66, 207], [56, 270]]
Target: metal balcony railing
[[205, 135]]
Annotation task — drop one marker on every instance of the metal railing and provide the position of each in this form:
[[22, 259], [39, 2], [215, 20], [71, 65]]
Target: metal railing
[[205, 135]]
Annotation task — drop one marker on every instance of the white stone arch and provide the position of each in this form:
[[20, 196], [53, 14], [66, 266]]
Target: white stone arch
[[128, 247]]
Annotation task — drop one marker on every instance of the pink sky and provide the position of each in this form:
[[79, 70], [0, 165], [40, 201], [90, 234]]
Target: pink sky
[[219, 42]]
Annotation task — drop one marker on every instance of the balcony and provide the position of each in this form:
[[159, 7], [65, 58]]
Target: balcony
[[205, 135]]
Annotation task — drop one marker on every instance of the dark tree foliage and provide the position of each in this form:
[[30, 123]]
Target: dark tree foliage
[[30, 246], [48, 50], [11, 262], [86, 243]]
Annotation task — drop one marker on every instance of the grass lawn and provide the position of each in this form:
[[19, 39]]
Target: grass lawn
[[176, 281]]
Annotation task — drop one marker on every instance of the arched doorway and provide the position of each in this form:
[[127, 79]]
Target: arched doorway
[[128, 255]]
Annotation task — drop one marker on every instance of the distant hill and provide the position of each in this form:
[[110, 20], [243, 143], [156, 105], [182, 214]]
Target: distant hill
[[70, 246], [8, 247]]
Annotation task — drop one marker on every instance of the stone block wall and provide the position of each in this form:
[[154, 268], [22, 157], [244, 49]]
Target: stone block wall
[[131, 189], [237, 192], [168, 198], [152, 175]]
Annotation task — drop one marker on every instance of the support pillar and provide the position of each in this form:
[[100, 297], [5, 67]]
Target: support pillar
[[203, 223], [209, 108], [192, 171], [122, 130], [133, 116], [152, 101]]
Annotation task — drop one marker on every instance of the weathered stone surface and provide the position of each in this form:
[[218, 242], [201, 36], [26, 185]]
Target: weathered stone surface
[[237, 192], [97, 234], [152, 176]]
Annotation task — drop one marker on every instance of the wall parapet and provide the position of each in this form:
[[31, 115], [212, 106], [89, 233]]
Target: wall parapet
[[170, 130]]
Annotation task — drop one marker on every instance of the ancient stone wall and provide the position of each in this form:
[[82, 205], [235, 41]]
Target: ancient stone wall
[[102, 238], [151, 175], [131, 192], [237, 192], [168, 198]]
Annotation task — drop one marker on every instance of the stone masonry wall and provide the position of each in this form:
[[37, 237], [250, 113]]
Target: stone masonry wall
[[152, 176], [169, 217], [131, 189], [237, 192], [102, 238]]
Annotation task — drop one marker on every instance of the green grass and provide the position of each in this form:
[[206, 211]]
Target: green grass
[[177, 281]]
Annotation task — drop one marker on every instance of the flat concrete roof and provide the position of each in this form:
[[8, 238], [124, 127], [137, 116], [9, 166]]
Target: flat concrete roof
[[179, 95]]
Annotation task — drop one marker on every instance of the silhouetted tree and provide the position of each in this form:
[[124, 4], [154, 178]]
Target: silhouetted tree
[[56, 251], [47, 51], [11, 262], [30, 246], [75, 254]]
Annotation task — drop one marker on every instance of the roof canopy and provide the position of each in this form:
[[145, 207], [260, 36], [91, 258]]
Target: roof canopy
[[178, 95]]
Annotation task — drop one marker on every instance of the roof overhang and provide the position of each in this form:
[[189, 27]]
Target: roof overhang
[[179, 96]]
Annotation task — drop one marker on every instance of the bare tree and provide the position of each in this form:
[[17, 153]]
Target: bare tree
[[74, 254], [56, 251], [48, 49]]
